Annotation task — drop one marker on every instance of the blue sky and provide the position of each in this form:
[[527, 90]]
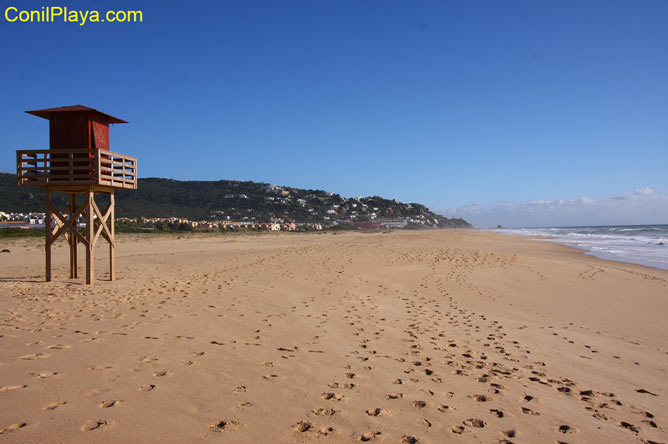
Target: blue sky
[[483, 105]]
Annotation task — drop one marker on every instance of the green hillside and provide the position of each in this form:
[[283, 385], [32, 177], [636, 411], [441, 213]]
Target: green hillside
[[234, 200]]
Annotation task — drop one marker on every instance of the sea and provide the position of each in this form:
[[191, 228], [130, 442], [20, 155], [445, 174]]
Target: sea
[[639, 244]]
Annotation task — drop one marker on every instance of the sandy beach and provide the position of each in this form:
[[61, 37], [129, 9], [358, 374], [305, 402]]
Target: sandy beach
[[402, 337]]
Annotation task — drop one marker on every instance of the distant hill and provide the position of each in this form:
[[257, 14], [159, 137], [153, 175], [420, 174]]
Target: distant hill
[[211, 200]]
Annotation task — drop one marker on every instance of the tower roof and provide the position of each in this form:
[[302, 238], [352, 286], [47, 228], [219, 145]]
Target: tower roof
[[44, 113]]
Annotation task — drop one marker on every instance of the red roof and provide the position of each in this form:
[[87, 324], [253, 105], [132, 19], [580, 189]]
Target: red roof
[[44, 113]]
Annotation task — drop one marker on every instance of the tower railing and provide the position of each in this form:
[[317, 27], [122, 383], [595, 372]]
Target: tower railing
[[42, 168]]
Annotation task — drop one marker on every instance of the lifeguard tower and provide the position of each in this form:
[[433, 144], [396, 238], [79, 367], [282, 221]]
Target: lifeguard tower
[[78, 162]]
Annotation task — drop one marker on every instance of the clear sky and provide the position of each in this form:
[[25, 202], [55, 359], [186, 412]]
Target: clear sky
[[475, 108]]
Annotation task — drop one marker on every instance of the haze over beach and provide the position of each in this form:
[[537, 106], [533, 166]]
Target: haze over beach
[[353, 221]]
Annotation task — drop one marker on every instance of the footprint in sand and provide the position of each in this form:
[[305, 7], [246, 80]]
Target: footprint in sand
[[146, 388], [54, 405], [586, 395], [458, 429], [646, 392], [36, 356], [424, 422], [109, 403], [59, 347], [529, 411], [223, 425], [324, 412], [302, 426], [475, 422], [98, 367], [395, 395], [217, 426], [95, 424], [564, 428], [511, 433], [368, 436], [628, 426], [13, 427], [43, 375], [376, 412], [161, 373], [7, 388], [650, 423], [325, 430]]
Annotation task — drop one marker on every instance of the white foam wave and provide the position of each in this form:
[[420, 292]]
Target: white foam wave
[[640, 244]]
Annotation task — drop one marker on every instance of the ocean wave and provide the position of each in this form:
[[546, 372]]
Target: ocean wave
[[640, 244]]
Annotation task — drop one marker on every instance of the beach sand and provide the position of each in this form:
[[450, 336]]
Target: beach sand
[[403, 337]]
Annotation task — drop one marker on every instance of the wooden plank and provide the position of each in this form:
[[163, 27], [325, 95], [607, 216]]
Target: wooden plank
[[47, 226], [67, 224], [57, 216], [75, 165], [90, 272], [32, 152], [101, 223], [105, 236], [112, 259], [19, 179], [58, 168], [72, 175], [73, 237]]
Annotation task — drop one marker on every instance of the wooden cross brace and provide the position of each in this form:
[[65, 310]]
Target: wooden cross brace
[[63, 224], [98, 223], [101, 226]]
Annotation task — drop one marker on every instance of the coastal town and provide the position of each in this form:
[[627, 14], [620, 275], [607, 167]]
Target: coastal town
[[37, 221], [164, 205]]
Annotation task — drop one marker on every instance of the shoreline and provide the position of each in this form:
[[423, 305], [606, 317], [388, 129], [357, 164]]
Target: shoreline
[[599, 255]]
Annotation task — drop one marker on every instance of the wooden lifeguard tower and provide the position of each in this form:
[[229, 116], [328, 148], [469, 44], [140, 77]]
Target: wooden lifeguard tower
[[78, 162]]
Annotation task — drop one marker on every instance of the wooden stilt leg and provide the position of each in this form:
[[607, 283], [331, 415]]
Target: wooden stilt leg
[[47, 229], [112, 263], [75, 242], [73, 239], [90, 236]]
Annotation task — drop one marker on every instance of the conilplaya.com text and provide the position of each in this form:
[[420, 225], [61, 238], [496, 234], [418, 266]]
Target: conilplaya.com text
[[52, 14]]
